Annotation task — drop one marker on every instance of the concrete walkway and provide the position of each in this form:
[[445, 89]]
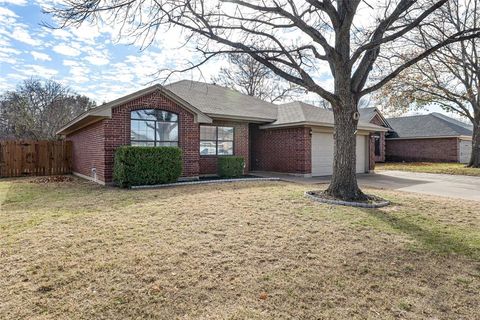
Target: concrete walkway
[[453, 186]]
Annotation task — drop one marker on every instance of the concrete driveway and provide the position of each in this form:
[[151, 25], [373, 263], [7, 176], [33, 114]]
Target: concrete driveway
[[453, 186], [445, 185]]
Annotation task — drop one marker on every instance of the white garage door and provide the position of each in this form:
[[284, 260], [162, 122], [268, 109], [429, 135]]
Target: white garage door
[[361, 154], [465, 151], [322, 154]]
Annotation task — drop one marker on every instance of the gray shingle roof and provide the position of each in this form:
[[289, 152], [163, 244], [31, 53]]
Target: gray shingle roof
[[209, 101], [298, 112], [429, 125], [218, 101], [366, 114]]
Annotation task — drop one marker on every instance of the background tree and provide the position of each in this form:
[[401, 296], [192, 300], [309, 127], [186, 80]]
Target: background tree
[[298, 40], [449, 78], [37, 109], [250, 77]]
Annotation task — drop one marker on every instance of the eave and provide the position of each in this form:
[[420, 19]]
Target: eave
[[371, 128], [105, 111]]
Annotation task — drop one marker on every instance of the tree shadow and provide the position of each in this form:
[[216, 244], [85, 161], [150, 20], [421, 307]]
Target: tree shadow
[[435, 238], [383, 181]]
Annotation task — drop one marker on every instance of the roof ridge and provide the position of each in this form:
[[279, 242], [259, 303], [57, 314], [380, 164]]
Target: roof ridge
[[450, 123], [411, 116], [449, 119], [221, 87]]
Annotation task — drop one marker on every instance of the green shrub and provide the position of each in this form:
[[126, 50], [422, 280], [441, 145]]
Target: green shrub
[[136, 166], [230, 167]]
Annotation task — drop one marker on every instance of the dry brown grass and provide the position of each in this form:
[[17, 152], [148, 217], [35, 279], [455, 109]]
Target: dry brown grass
[[252, 250], [430, 167]]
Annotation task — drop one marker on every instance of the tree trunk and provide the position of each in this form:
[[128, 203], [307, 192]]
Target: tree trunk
[[344, 180], [475, 157]]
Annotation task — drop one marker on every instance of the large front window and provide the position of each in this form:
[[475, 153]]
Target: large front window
[[216, 141], [154, 128]]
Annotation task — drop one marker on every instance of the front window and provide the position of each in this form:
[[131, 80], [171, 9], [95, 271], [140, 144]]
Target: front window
[[216, 141], [153, 128]]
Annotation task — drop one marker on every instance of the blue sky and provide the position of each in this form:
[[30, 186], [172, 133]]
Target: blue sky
[[91, 60]]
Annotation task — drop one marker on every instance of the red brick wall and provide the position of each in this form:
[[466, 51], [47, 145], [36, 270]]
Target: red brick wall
[[96, 144], [436, 150], [208, 164], [117, 131], [88, 150], [281, 150], [378, 121]]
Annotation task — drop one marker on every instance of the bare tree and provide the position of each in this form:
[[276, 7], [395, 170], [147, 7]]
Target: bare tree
[[253, 78], [449, 78], [297, 39], [37, 109]]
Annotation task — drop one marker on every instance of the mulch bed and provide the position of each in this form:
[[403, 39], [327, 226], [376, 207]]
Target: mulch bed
[[51, 179]]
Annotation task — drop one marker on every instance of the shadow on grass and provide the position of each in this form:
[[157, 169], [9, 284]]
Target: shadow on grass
[[430, 235]]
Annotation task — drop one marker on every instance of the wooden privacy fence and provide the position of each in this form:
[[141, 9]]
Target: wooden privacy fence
[[35, 158]]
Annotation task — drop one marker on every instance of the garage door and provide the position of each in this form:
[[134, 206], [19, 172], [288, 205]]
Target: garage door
[[322, 154], [361, 153], [465, 151]]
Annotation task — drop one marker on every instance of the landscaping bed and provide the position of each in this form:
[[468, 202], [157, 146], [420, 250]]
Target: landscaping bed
[[250, 250]]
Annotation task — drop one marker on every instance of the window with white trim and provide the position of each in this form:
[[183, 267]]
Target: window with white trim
[[216, 140]]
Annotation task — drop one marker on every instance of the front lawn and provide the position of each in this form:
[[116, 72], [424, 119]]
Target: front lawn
[[429, 167], [251, 250]]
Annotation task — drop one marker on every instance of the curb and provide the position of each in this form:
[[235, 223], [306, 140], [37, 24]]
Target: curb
[[188, 183], [375, 205]]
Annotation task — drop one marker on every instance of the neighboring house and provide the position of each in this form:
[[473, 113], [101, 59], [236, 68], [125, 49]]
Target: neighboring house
[[373, 115], [207, 121], [432, 137]]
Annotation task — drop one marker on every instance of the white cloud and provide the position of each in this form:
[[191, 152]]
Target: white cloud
[[70, 63], [35, 70], [97, 60], [40, 56], [4, 43], [48, 3], [4, 12], [97, 55], [7, 55], [21, 34], [60, 34], [66, 50], [79, 71], [15, 2], [86, 33], [9, 50], [6, 58]]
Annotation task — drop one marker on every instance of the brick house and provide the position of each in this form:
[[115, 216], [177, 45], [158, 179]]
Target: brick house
[[374, 116], [432, 137], [207, 121]]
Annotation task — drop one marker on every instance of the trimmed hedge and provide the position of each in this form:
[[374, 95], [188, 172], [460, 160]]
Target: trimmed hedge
[[230, 167], [136, 166]]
